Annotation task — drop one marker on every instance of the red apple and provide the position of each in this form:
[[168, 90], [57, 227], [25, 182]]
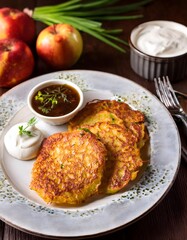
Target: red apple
[[16, 24], [16, 62], [60, 45]]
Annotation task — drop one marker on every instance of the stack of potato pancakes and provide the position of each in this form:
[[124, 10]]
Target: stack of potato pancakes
[[99, 154]]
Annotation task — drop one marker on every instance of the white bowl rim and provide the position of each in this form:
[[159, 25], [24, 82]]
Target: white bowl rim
[[51, 82], [133, 45]]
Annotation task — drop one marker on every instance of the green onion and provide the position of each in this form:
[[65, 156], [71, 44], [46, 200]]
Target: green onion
[[87, 16]]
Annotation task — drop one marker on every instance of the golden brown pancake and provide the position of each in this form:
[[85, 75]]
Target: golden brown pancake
[[69, 167], [118, 112], [124, 158], [99, 154], [123, 132], [120, 109], [100, 116]]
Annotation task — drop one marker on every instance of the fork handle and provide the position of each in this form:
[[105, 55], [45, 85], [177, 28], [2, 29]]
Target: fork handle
[[183, 117]]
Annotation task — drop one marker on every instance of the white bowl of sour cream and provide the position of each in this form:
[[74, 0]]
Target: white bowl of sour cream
[[159, 48]]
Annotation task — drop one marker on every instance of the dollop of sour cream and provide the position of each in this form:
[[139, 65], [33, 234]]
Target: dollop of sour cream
[[160, 38], [23, 147]]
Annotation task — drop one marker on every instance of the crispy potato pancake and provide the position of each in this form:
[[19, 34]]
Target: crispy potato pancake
[[120, 109], [118, 113], [124, 158], [101, 116], [123, 132], [69, 167], [101, 153]]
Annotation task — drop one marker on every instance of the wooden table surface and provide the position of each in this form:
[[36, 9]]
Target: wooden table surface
[[168, 220]]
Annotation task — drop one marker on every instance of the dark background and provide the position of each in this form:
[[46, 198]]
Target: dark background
[[168, 220]]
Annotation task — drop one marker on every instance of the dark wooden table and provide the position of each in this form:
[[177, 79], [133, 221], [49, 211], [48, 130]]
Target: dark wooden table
[[168, 220]]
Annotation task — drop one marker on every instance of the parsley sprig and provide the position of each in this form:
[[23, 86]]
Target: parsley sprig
[[49, 98], [23, 130]]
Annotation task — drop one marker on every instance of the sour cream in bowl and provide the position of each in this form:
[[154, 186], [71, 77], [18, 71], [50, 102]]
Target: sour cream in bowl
[[159, 48]]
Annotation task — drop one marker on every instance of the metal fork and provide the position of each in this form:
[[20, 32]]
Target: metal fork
[[167, 95]]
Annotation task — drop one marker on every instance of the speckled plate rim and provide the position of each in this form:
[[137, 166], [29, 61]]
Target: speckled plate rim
[[117, 212]]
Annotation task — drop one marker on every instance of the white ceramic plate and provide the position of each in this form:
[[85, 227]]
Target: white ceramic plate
[[22, 208]]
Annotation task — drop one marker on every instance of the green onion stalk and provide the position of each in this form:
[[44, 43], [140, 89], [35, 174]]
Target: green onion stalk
[[88, 16]]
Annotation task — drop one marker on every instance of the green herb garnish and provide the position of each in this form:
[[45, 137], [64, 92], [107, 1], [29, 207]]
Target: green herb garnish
[[62, 166], [23, 130], [85, 129], [49, 98], [87, 15]]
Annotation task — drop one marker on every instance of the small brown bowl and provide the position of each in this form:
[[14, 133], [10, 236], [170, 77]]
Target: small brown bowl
[[149, 62]]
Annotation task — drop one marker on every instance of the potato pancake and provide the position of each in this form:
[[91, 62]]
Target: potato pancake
[[101, 116], [123, 132], [120, 109], [119, 113], [69, 167], [124, 158]]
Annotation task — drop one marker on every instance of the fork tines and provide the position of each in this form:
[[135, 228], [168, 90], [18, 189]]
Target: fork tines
[[166, 92], [167, 96]]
